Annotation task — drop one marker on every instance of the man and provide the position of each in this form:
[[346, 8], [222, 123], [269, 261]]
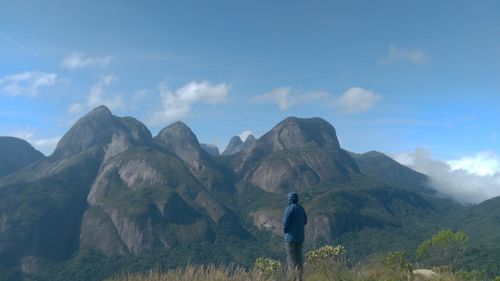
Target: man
[[294, 220]]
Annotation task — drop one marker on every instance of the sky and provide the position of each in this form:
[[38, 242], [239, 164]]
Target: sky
[[413, 79]]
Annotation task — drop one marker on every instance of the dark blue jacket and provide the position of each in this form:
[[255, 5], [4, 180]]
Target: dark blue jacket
[[294, 220]]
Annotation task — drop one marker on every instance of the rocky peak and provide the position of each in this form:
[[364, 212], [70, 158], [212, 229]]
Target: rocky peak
[[250, 139], [101, 127], [179, 139], [233, 146], [296, 132], [249, 143], [236, 145]]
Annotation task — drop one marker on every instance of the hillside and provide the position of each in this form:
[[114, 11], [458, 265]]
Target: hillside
[[16, 154]]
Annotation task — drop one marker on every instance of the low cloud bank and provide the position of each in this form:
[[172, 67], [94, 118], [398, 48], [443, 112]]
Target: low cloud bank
[[470, 179]]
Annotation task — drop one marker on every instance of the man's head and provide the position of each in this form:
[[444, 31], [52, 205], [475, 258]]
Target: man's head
[[293, 197]]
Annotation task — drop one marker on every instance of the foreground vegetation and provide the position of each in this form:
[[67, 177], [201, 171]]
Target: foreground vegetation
[[330, 263], [367, 272]]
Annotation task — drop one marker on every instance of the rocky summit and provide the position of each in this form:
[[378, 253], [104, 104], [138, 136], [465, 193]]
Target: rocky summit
[[113, 197]]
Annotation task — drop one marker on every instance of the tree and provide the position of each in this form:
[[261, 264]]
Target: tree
[[445, 247]]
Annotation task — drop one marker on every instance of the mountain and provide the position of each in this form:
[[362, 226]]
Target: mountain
[[211, 149], [181, 141], [111, 188], [42, 206], [233, 146], [16, 154], [112, 197], [100, 128], [482, 223], [236, 145], [297, 154], [385, 169]]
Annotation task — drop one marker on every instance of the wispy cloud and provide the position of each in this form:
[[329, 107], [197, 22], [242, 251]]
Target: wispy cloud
[[285, 98], [178, 104], [27, 83], [356, 100], [76, 60], [470, 179], [404, 54], [97, 96]]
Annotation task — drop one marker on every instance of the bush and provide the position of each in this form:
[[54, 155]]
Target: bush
[[328, 261], [267, 266], [445, 247]]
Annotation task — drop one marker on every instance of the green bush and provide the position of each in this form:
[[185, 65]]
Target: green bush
[[445, 248], [267, 266]]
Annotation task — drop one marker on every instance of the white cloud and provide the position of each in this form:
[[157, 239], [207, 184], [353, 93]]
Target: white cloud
[[76, 60], [45, 145], [356, 100], [177, 104], [484, 163], [470, 179], [285, 99], [244, 135], [27, 83], [97, 97], [404, 54]]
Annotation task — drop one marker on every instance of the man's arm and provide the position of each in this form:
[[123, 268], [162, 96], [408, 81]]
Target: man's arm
[[305, 217], [286, 219]]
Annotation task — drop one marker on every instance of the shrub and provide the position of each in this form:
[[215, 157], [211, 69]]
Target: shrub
[[267, 266], [328, 261], [445, 247]]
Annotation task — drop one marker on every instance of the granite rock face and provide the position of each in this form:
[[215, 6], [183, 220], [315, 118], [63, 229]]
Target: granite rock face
[[99, 127], [295, 155], [236, 145], [233, 146]]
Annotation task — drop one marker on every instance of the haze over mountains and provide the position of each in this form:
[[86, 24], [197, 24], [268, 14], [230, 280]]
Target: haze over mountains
[[113, 195]]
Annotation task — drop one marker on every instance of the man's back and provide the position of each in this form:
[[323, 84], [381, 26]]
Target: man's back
[[294, 220]]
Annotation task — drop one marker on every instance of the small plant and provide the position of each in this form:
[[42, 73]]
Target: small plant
[[328, 261], [474, 275], [445, 247], [267, 266], [398, 261]]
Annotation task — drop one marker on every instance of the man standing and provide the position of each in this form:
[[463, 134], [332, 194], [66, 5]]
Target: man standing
[[294, 220]]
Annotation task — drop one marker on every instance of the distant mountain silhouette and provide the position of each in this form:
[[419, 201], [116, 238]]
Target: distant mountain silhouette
[[15, 154]]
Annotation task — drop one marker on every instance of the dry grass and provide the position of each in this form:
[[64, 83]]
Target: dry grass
[[204, 273], [368, 272], [213, 273]]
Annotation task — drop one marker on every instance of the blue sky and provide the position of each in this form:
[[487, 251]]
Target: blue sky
[[392, 76]]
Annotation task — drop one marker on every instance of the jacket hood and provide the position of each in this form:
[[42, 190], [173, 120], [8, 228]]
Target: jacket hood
[[293, 197]]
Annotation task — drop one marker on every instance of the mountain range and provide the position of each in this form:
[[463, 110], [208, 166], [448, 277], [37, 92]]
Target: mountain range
[[114, 198]]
